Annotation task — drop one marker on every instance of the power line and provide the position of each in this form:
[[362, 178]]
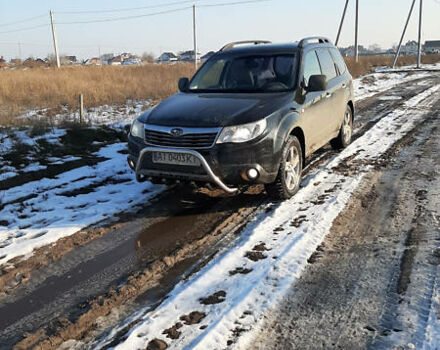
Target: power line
[[23, 29], [161, 12], [127, 17], [127, 8], [22, 20], [233, 3]]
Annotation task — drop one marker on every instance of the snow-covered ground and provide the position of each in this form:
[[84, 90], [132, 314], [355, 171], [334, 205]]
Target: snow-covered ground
[[271, 252], [55, 210], [40, 212], [32, 223], [102, 115]]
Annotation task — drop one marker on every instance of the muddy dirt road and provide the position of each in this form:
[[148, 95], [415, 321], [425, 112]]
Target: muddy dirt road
[[79, 288], [372, 282]]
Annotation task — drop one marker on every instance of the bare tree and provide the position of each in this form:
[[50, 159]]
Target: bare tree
[[148, 57]]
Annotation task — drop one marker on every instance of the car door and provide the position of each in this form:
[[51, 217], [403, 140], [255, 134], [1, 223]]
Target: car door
[[315, 106], [333, 114], [342, 91]]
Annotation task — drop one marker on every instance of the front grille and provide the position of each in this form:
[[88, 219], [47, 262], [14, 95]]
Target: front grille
[[187, 140]]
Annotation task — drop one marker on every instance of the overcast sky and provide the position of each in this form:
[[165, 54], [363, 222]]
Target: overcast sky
[[381, 22]]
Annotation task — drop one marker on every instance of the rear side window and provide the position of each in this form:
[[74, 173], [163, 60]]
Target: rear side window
[[311, 66], [339, 61], [327, 64]]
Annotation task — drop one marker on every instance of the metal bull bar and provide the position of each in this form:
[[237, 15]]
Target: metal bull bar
[[196, 154]]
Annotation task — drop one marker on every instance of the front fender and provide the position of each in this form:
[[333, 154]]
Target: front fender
[[287, 123]]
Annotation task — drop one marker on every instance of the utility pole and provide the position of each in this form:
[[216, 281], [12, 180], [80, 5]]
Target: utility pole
[[342, 22], [356, 31], [403, 34], [54, 36], [194, 36], [419, 51]]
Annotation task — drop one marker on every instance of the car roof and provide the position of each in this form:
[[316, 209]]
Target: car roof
[[270, 48]]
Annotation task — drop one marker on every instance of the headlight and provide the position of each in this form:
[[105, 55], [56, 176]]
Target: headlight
[[137, 129], [242, 133]]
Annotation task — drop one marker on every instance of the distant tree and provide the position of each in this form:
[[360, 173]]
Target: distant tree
[[51, 59], [148, 57], [374, 48]]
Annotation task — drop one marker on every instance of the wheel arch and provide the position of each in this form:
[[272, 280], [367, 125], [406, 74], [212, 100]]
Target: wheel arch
[[351, 105], [299, 133]]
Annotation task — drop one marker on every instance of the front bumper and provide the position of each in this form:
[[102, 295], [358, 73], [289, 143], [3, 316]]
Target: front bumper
[[222, 164], [140, 171]]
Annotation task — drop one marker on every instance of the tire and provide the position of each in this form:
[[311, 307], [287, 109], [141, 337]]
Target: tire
[[346, 131], [288, 179]]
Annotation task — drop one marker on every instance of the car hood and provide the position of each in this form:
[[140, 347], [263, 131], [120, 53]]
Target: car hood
[[215, 109]]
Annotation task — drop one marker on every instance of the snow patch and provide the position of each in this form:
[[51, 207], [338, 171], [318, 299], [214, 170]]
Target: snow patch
[[284, 240]]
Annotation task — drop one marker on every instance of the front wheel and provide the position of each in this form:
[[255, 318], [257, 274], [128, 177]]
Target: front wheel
[[346, 131], [289, 174]]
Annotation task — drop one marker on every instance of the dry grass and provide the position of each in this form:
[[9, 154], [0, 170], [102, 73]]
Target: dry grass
[[52, 88], [367, 64]]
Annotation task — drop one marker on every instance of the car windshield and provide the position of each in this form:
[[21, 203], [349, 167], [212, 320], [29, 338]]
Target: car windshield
[[265, 73]]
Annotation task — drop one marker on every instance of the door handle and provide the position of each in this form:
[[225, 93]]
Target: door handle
[[328, 95], [344, 85]]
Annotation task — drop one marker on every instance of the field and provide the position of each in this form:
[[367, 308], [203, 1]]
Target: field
[[41, 88]]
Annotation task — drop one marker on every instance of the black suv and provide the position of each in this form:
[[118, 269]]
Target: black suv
[[251, 114]]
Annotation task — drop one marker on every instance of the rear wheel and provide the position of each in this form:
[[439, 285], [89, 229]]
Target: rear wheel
[[346, 131], [289, 174]]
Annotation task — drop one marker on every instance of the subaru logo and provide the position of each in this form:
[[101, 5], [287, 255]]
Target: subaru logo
[[176, 132]]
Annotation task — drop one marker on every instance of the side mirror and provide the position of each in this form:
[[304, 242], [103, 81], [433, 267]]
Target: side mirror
[[317, 83], [183, 84]]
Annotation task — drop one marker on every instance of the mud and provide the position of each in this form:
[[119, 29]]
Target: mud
[[169, 232], [216, 298], [370, 285], [173, 332], [151, 263], [193, 317], [157, 344]]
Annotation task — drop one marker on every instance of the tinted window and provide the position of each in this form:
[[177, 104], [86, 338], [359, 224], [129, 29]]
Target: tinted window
[[327, 64], [311, 66], [339, 61], [265, 73]]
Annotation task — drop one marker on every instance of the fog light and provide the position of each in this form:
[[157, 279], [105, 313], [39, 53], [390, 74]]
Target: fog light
[[252, 174], [130, 163]]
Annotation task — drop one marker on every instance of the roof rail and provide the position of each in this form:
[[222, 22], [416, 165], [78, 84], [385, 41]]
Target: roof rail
[[319, 39], [236, 43]]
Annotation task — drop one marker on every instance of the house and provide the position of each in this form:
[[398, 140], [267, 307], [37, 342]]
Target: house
[[131, 61], [187, 56], [106, 58], [410, 48], [166, 57], [207, 56], [432, 46], [95, 61], [31, 62], [67, 60], [116, 61], [15, 61]]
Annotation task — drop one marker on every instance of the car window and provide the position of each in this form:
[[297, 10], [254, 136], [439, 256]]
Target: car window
[[256, 73], [311, 66], [213, 76], [339, 61], [327, 64]]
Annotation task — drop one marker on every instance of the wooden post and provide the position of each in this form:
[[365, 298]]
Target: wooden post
[[81, 108]]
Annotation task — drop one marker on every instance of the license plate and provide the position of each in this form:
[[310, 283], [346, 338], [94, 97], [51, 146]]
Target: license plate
[[175, 158]]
